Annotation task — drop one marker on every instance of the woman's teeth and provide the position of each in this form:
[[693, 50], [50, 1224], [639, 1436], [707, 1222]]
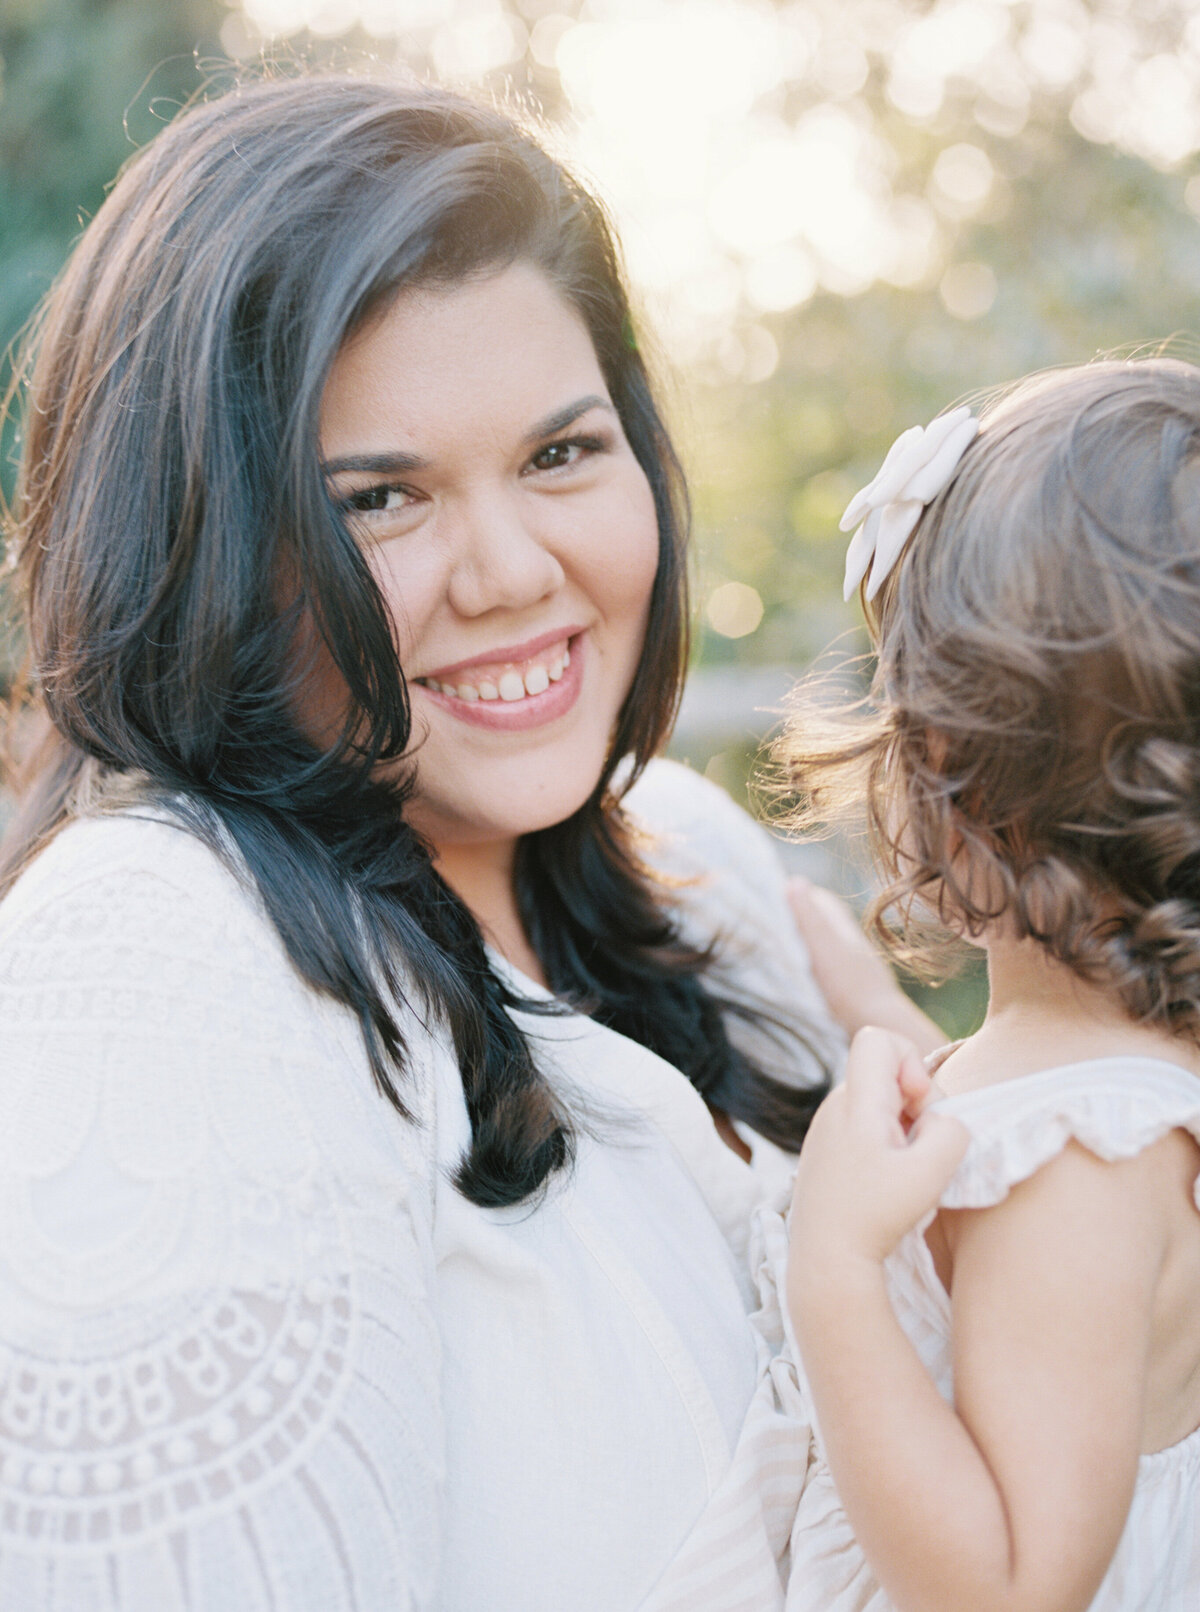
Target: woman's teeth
[[511, 684]]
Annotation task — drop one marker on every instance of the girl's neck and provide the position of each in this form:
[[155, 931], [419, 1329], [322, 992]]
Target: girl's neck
[[482, 875], [1041, 1014]]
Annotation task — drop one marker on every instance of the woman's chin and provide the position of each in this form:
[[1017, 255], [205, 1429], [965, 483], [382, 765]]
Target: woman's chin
[[502, 815]]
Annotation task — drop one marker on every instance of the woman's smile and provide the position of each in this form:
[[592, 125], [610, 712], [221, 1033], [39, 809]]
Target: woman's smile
[[469, 438], [514, 688]]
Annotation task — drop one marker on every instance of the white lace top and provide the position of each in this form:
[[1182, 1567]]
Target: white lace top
[[258, 1355], [777, 1521]]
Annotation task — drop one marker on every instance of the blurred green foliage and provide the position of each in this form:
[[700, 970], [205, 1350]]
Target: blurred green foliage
[[85, 83], [1091, 252]]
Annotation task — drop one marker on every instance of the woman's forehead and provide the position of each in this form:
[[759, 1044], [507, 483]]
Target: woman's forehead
[[498, 352]]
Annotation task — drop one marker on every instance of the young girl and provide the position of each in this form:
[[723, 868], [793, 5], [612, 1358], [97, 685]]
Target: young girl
[[993, 1279]]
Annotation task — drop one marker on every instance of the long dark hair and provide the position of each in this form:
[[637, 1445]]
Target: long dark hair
[[170, 487]]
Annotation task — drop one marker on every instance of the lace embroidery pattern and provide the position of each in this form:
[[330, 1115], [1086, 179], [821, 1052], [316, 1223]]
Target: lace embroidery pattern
[[200, 1239], [100, 1452]]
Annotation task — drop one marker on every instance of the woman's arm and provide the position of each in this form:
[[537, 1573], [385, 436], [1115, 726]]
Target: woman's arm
[[214, 1262], [853, 978], [1015, 1497]]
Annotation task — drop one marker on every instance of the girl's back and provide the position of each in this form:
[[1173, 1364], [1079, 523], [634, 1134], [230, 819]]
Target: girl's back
[[1034, 1162], [992, 1276]]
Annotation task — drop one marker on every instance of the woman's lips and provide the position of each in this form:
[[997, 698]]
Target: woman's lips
[[513, 694], [540, 647], [508, 676]]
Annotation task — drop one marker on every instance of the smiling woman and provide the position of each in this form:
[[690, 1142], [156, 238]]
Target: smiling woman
[[515, 542], [351, 548]]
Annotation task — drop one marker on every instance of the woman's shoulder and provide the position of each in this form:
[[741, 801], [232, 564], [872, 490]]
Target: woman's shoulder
[[693, 821], [725, 868], [121, 859], [135, 900], [727, 885], [130, 937]]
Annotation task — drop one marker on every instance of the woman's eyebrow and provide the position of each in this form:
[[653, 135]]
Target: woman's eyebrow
[[567, 415], [398, 463], [376, 464]]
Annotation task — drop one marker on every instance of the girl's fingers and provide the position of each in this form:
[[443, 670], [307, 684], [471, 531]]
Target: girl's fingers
[[938, 1141], [886, 1079], [874, 1065], [868, 1173], [916, 1084]]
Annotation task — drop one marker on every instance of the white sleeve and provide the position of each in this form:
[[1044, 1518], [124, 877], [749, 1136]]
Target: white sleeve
[[729, 890], [219, 1366]]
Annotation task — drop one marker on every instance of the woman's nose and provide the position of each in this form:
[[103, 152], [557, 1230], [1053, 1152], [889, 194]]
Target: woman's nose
[[501, 560]]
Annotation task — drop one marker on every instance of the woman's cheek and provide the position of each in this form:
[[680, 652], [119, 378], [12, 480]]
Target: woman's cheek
[[635, 564], [410, 582]]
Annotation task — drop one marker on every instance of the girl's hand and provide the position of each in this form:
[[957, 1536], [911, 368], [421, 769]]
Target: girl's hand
[[853, 978], [874, 1162]]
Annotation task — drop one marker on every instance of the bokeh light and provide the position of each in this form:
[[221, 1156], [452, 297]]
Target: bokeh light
[[734, 609], [734, 140]]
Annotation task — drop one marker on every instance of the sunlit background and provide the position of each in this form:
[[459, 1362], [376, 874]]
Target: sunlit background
[[742, 142], [839, 216]]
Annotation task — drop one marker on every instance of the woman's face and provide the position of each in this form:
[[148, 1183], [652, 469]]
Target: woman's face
[[469, 434]]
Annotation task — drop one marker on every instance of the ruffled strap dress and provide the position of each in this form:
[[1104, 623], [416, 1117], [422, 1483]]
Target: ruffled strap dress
[[775, 1538]]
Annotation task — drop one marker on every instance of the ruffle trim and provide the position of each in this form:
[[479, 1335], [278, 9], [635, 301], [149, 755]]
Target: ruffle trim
[[1115, 1107]]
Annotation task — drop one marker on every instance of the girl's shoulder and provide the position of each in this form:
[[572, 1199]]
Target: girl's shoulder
[[1115, 1107]]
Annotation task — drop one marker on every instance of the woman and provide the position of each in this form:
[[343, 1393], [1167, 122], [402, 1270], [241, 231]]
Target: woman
[[340, 380]]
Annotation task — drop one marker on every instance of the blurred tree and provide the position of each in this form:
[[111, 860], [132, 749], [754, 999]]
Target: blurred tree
[[83, 83], [1079, 250]]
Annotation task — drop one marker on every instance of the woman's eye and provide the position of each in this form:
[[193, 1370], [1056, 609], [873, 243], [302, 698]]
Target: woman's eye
[[555, 455], [561, 455], [373, 499]]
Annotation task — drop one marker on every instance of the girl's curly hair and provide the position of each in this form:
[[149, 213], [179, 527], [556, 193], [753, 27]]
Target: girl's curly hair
[[1029, 750]]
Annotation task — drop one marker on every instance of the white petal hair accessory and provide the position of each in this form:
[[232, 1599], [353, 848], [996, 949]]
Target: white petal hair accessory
[[919, 465]]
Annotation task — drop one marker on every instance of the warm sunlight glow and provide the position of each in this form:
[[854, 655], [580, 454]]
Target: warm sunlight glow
[[732, 140]]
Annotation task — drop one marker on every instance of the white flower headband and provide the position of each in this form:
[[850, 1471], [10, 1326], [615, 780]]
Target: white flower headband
[[919, 465]]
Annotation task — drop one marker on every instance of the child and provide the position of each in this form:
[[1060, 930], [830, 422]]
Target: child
[[996, 1295], [1003, 1353]]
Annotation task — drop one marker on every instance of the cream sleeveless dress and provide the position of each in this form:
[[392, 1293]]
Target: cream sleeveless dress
[[775, 1538]]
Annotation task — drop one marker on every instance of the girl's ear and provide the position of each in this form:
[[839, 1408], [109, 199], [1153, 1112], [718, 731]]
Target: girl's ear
[[937, 748]]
